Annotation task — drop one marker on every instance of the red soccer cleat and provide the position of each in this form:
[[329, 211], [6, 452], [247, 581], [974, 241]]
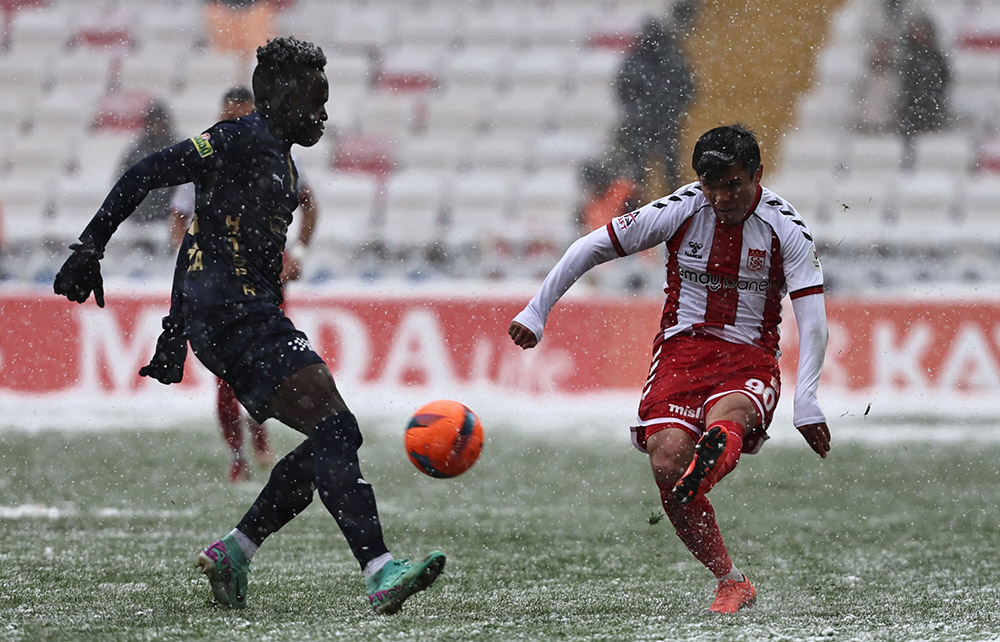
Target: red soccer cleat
[[731, 596], [706, 455]]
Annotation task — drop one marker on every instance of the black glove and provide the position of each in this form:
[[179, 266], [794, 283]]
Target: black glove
[[81, 274], [167, 364]]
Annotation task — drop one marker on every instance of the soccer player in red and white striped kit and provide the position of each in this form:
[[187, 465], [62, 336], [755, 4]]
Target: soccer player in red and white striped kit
[[733, 250]]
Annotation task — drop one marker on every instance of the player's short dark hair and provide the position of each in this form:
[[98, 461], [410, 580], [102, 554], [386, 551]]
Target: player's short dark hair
[[280, 61], [725, 147], [238, 94]]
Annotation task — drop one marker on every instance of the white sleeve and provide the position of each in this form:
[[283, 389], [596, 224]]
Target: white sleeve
[[587, 252], [810, 316]]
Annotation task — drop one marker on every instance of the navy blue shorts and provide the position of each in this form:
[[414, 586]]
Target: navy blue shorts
[[253, 350]]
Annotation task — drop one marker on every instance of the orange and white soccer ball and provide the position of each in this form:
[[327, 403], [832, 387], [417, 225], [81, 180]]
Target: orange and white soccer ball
[[444, 438]]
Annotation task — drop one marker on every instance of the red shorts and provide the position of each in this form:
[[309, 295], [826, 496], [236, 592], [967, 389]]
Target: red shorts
[[691, 372]]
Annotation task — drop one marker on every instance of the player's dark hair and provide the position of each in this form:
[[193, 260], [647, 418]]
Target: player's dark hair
[[722, 148], [238, 94], [279, 64]]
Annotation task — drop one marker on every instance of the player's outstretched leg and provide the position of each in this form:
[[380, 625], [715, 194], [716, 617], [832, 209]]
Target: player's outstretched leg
[[706, 455], [399, 579], [227, 570]]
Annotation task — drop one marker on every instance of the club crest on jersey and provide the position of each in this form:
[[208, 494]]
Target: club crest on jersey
[[755, 259]]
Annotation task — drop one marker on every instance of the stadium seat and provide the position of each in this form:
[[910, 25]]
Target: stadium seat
[[524, 110], [122, 110], [458, 112], [348, 73], [412, 213], [346, 203], [409, 68], [109, 29], [544, 203], [362, 28], [476, 68], [148, 70], [387, 114], [542, 68], [859, 209], [924, 210], [98, 157], [213, 72], [558, 25], [82, 68], [980, 204], [589, 111], [949, 152], [596, 68], [42, 27], [365, 154], [876, 154], [433, 152], [434, 25], [499, 25], [565, 151], [500, 151], [618, 29], [25, 69]]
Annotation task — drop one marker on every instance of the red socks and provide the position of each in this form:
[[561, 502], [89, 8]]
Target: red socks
[[229, 418], [695, 522]]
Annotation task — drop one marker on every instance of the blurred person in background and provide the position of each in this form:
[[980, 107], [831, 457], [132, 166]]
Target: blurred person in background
[[154, 211], [733, 250], [877, 89], [605, 195], [654, 86], [237, 102], [924, 79], [239, 26]]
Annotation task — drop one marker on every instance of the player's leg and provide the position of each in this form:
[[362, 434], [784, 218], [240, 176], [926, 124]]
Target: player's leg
[[228, 412], [670, 450], [262, 452], [718, 450], [347, 496]]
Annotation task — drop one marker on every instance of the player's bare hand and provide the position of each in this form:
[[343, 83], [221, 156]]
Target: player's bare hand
[[522, 336], [817, 436], [81, 274]]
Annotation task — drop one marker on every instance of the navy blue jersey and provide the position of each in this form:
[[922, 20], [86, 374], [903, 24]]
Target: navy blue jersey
[[245, 192]]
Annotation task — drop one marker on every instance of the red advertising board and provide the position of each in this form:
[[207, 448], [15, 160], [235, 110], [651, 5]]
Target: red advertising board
[[593, 344]]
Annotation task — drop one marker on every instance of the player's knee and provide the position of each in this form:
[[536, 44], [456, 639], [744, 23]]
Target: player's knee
[[339, 431], [667, 469]]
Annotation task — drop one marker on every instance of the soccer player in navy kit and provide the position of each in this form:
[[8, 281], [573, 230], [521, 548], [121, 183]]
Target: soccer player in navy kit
[[225, 303]]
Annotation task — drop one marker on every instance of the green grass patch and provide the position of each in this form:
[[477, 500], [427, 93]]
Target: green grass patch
[[548, 538]]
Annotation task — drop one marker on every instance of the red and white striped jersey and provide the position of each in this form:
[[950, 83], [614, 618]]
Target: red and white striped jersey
[[725, 280]]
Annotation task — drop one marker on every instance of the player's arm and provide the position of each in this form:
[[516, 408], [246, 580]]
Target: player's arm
[[81, 273], [624, 235], [810, 316], [586, 252], [295, 252]]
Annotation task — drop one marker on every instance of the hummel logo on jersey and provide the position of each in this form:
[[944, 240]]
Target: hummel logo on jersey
[[694, 249], [755, 259]]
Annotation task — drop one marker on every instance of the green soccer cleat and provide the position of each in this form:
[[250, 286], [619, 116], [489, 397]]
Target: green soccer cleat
[[227, 571], [399, 579]]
